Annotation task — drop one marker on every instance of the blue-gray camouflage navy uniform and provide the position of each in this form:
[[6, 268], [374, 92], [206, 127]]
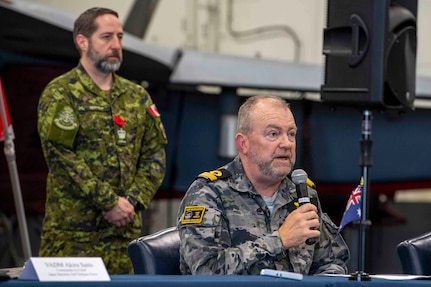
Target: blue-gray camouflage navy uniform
[[91, 163], [226, 228]]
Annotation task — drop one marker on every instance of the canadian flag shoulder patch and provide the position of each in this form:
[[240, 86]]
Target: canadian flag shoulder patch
[[153, 110]]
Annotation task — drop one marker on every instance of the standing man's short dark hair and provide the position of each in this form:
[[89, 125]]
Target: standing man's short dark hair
[[85, 24]]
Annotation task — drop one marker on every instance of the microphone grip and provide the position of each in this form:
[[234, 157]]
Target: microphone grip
[[302, 192]]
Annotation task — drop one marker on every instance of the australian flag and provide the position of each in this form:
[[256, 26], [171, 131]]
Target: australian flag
[[353, 207]]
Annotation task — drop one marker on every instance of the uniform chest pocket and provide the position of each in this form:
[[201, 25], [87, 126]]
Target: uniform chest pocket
[[95, 124]]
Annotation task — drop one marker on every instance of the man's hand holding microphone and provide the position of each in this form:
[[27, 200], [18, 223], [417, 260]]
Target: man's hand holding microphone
[[301, 225]]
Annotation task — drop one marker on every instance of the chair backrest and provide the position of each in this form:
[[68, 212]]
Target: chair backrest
[[157, 253], [415, 255]]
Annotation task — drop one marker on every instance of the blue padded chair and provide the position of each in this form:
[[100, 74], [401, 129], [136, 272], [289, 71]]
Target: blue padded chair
[[415, 255], [157, 253]]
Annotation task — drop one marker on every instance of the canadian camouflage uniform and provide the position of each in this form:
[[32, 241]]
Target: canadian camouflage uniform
[[238, 235], [90, 165]]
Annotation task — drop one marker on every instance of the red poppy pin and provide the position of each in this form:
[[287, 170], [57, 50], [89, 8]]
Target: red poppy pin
[[119, 120], [121, 133]]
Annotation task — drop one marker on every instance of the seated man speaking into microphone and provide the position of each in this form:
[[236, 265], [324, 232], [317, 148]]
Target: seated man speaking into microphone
[[245, 216]]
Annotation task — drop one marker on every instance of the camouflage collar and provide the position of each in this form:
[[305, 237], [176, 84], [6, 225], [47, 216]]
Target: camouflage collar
[[116, 90]]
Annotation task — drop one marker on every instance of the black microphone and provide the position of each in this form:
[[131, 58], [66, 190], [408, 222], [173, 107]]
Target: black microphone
[[299, 178]]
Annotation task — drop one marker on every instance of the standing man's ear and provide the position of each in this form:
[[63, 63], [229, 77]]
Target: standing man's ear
[[82, 42]]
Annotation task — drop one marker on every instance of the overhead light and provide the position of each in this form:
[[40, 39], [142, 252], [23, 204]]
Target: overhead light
[[209, 89], [422, 103]]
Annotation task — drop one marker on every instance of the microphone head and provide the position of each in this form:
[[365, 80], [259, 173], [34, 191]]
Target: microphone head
[[299, 176]]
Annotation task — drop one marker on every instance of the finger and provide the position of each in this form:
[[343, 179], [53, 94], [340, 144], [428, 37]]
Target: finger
[[120, 223], [314, 233], [124, 222], [315, 224], [309, 207], [131, 216], [311, 215]]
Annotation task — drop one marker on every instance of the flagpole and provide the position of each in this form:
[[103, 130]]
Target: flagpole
[[9, 151], [364, 223]]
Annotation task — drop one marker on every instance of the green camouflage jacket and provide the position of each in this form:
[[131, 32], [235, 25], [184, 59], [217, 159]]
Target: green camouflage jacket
[[93, 159], [226, 228]]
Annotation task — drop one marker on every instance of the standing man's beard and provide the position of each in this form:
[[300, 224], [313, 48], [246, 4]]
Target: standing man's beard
[[102, 63]]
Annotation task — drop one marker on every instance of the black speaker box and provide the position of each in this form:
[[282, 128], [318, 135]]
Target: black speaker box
[[370, 49]]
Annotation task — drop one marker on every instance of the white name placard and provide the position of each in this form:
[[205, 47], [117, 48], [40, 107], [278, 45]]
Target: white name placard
[[65, 269]]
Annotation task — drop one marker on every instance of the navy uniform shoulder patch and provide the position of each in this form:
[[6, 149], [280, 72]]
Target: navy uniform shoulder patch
[[193, 214], [215, 174]]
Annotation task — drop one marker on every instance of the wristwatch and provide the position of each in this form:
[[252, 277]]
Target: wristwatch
[[133, 202]]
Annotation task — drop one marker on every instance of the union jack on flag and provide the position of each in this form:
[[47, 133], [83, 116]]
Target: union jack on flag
[[353, 207]]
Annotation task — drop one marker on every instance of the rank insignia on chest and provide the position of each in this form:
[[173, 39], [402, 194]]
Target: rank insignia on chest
[[193, 214], [121, 133], [121, 137]]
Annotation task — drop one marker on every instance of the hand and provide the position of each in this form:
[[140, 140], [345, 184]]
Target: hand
[[299, 225], [121, 214]]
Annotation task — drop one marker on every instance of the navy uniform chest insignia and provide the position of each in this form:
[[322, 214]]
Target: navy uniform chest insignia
[[215, 174], [66, 119]]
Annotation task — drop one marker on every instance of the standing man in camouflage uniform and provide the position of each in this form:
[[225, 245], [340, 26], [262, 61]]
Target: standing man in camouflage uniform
[[243, 217], [103, 141]]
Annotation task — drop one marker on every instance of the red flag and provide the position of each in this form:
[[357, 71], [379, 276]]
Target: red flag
[[9, 123]]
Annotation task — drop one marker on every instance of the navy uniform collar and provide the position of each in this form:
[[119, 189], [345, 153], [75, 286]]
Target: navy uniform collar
[[241, 183]]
